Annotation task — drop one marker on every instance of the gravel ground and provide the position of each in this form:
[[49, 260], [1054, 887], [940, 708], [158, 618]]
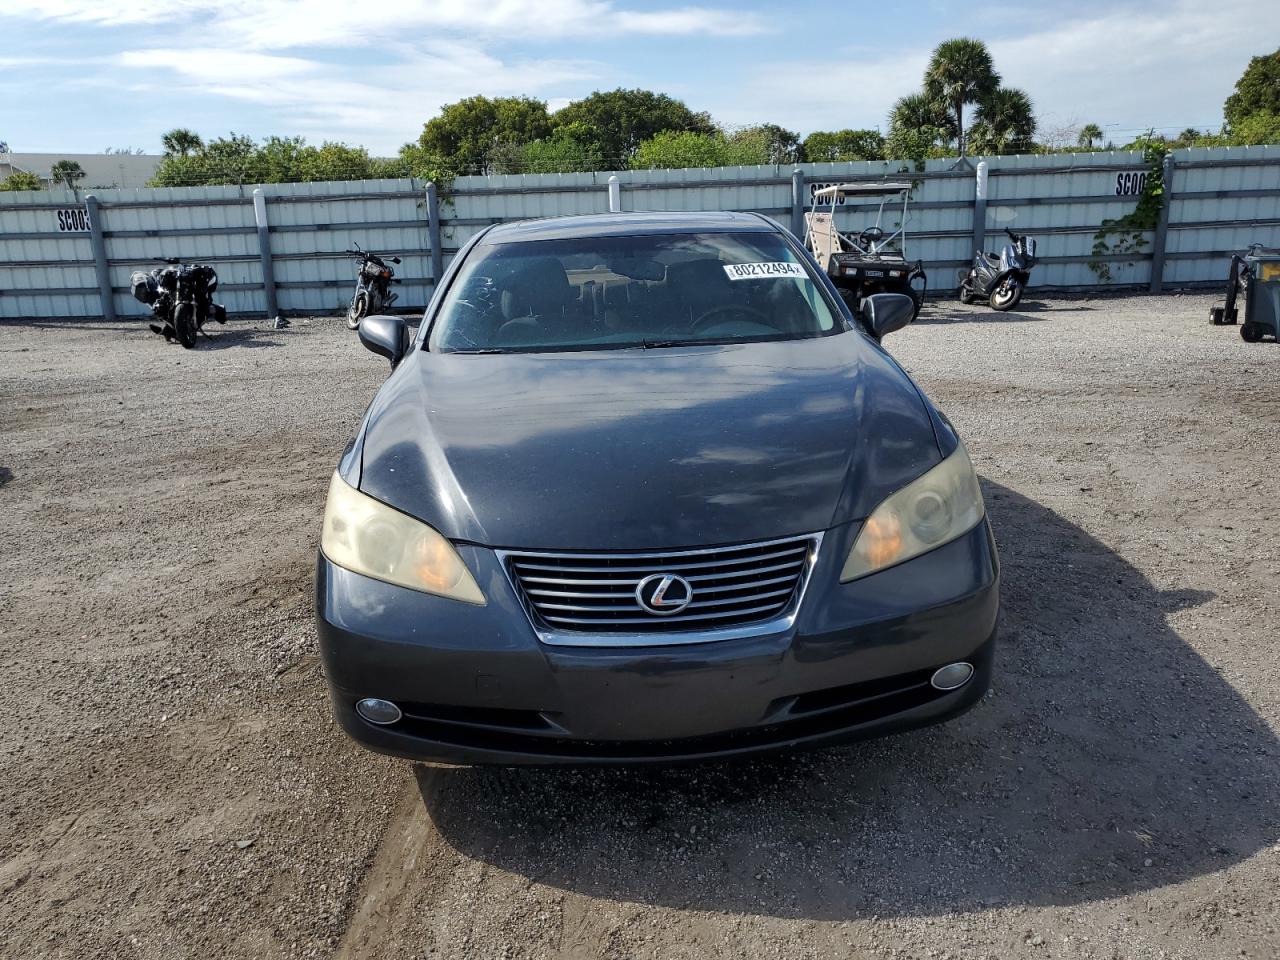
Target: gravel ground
[[173, 786]]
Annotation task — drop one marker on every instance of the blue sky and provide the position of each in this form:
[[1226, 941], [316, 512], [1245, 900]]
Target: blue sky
[[83, 75]]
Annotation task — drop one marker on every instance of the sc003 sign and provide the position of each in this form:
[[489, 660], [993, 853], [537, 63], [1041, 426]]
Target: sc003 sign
[[1131, 184], [73, 220], [815, 187]]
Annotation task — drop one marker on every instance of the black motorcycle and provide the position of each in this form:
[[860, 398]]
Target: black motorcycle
[[373, 286], [1000, 280], [180, 296]]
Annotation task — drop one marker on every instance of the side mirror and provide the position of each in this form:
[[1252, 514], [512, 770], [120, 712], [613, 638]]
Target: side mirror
[[385, 336], [884, 313]]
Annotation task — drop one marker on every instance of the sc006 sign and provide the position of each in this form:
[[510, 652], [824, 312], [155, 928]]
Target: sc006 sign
[[1131, 184], [73, 220]]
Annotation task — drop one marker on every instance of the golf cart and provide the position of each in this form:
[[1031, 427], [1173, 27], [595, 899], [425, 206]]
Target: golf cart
[[871, 261]]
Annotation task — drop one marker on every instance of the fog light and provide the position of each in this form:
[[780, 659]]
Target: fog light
[[950, 677], [382, 712]]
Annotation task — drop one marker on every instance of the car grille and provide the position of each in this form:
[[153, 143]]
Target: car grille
[[730, 587]]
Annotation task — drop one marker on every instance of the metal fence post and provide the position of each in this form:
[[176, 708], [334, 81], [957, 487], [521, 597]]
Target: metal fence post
[[615, 194], [980, 206], [1162, 227], [100, 265], [433, 234], [797, 203], [264, 250]]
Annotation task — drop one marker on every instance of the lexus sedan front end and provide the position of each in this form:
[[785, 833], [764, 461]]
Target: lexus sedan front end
[[642, 488]]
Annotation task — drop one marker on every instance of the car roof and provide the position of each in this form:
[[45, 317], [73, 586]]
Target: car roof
[[628, 224]]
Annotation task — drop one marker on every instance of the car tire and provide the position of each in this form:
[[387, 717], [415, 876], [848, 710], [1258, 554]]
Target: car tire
[[184, 324], [358, 310], [1251, 332]]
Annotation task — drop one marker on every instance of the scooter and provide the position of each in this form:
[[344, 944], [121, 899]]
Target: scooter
[[1000, 280], [373, 286], [180, 297]]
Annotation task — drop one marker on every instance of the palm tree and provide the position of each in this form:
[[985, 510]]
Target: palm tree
[[1005, 122], [959, 73], [917, 111], [1088, 134], [66, 172], [179, 142]]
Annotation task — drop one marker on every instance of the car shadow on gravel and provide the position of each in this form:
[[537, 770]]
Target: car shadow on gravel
[[1110, 759], [248, 339], [1026, 313]]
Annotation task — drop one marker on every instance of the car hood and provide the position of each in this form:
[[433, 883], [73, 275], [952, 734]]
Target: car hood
[[646, 449]]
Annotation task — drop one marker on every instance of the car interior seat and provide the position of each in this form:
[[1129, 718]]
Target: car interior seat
[[539, 304]]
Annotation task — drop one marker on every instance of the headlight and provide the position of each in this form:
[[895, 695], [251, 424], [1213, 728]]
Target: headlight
[[929, 511], [368, 537]]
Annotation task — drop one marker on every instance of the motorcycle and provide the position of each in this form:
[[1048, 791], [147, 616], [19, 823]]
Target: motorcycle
[[373, 286], [1000, 280], [180, 296]]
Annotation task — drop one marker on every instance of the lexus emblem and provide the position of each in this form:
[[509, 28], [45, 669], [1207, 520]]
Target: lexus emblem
[[663, 594]]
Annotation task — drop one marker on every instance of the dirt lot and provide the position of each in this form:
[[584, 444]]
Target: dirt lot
[[172, 785]]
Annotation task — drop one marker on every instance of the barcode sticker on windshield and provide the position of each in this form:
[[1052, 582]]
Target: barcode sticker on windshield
[[760, 271]]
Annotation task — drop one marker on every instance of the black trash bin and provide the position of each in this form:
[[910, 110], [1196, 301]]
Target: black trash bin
[[1262, 297]]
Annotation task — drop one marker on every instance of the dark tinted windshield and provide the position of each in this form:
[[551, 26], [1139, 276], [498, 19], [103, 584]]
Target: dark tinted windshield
[[611, 292]]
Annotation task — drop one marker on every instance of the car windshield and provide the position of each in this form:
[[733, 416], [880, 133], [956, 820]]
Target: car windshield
[[598, 293]]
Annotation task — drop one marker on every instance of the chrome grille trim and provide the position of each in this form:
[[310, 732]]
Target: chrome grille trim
[[739, 590]]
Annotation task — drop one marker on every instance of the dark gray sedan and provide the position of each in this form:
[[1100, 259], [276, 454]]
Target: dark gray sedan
[[642, 488]]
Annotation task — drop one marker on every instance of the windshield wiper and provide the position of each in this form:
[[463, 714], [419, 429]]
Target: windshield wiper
[[480, 350], [695, 342]]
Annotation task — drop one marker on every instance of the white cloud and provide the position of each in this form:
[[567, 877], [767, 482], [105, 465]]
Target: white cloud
[[1129, 68], [379, 106], [822, 94], [1132, 68], [285, 24], [416, 55]]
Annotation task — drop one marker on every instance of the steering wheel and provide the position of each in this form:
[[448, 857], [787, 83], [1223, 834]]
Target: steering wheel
[[870, 235], [705, 318]]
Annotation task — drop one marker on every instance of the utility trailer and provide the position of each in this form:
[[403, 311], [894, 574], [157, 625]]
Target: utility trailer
[[868, 262]]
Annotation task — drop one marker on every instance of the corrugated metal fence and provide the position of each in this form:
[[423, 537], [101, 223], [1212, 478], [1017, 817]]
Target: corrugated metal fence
[[60, 250]]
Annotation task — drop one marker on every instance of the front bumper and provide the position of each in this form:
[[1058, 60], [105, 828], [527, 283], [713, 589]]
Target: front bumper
[[476, 685]]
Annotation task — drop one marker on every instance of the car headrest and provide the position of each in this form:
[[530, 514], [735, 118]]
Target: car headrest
[[699, 273], [540, 286]]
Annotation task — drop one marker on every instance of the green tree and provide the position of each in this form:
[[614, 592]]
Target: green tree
[[278, 159], [919, 110], [414, 161], [623, 119], [234, 159], [1255, 129], [915, 143], [919, 128], [1090, 134], [181, 142], [21, 180], [673, 149], [66, 172], [180, 171], [1005, 122], [1257, 90], [960, 73], [570, 149], [333, 161], [836, 145], [468, 132], [765, 143]]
